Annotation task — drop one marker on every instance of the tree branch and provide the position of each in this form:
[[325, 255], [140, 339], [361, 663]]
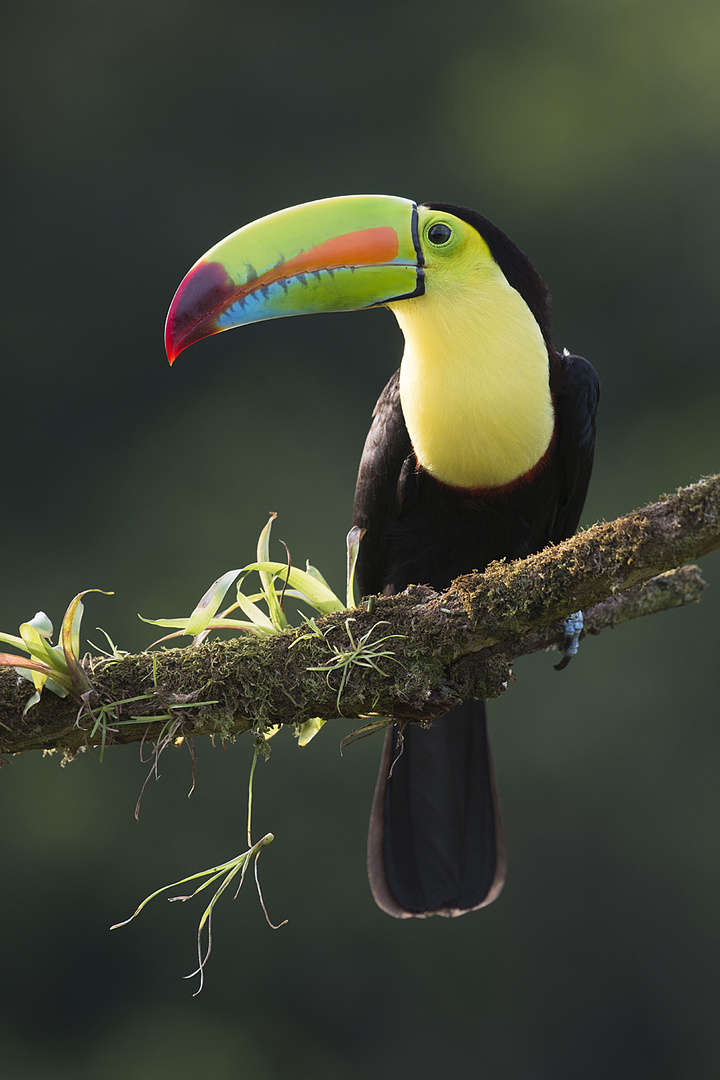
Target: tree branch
[[445, 647]]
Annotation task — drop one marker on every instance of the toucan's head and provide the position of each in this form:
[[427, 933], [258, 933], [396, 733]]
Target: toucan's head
[[342, 254]]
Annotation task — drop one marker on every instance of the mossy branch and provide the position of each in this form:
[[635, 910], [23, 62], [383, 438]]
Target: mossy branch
[[452, 646]]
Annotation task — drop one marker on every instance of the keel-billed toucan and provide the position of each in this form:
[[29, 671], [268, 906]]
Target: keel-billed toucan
[[480, 448]]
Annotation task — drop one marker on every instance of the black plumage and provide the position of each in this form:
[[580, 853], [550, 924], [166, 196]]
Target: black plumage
[[435, 844]]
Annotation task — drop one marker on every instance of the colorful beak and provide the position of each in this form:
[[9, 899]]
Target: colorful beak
[[333, 255]]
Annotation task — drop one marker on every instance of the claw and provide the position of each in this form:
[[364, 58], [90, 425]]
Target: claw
[[573, 629]]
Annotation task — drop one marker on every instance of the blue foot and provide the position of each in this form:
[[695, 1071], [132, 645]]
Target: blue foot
[[573, 628]]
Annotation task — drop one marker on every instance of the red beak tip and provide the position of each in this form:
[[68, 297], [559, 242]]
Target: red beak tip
[[171, 346]]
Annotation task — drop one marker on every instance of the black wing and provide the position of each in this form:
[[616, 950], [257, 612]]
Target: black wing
[[386, 461], [576, 393]]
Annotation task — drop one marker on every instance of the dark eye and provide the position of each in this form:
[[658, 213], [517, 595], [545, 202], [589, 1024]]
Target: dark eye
[[439, 234]]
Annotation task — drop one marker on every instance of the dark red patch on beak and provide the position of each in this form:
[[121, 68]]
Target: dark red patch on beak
[[203, 294]]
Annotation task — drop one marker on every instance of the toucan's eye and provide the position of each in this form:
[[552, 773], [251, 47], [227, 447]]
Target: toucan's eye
[[439, 234]]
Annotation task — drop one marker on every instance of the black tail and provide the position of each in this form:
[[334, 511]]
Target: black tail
[[436, 843]]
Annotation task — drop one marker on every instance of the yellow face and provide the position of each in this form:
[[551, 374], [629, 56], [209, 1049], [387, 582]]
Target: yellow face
[[455, 253]]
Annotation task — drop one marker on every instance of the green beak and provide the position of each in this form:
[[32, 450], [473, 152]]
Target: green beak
[[333, 255]]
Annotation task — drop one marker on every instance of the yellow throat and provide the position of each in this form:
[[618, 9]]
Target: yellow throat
[[474, 379]]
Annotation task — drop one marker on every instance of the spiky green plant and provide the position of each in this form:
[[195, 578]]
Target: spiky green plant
[[225, 873], [55, 667], [277, 581]]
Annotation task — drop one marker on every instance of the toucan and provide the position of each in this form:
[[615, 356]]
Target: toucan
[[480, 448]]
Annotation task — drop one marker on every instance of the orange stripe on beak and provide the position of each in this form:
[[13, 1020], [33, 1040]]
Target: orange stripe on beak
[[363, 248]]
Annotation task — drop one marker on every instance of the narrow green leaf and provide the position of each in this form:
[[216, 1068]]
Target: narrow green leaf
[[315, 573], [353, 550], [179, 623], [263, 544], [10, 639], [277, 615], [70, 639], [33, 700], [214, 624], [263, 554], [253, 612], [239, 624], [210, 603], [313, 591], [36, 644]]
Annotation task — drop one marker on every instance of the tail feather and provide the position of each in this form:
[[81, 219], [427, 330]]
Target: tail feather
[[435, 845]]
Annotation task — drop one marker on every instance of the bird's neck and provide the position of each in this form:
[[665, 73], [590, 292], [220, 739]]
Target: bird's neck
[[474, 384]]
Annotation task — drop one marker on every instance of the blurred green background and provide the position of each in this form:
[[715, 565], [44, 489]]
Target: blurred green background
[[134, 136]]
